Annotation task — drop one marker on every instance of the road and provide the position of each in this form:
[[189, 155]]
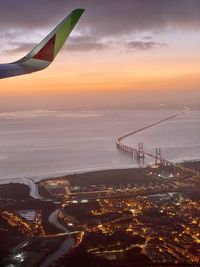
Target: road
[[151, 125]]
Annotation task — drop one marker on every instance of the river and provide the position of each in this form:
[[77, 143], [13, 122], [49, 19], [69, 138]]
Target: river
[[48, 143], [65, 246]]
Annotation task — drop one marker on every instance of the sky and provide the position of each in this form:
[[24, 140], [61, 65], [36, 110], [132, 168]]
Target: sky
[[119, 47]]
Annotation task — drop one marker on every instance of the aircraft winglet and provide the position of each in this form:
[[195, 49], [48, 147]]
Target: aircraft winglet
[[43, 53]]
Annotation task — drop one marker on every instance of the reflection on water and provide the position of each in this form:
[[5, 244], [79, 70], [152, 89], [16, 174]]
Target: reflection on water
[[65, 246], [42, 143], [53, 219]]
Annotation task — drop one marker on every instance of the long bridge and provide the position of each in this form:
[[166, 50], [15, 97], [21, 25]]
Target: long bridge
[[139, 152]]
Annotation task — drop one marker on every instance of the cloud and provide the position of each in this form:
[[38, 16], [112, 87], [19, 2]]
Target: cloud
[[88, 43], [147, 37], [80, 43], [85, 43], [141, 45], [101, 16], [117, 19], [18, 47]]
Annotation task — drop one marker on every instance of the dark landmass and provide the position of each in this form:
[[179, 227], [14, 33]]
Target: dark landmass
[[133, 257], [108, 177], [43, 192], [14, 191], [194, 165], [119, 176], [143, 216]]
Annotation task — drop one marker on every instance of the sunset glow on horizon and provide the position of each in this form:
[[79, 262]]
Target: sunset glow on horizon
[[146, 56]]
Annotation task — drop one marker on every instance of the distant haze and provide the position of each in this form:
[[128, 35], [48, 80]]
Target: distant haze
[[137, 99]]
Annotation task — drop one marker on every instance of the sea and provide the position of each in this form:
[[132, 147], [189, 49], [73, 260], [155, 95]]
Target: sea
[[38, 144]]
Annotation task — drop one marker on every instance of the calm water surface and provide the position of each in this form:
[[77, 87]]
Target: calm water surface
[[43, 143]]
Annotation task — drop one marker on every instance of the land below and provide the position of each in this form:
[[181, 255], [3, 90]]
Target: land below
[[149, 216]]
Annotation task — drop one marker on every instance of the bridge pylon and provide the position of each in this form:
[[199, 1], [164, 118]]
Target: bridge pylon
[[158, 158], [140, 151]]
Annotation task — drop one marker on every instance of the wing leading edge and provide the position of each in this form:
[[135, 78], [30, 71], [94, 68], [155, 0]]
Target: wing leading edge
[[42, 55]]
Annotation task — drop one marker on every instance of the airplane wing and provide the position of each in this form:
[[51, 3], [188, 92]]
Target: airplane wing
[[41, 56]]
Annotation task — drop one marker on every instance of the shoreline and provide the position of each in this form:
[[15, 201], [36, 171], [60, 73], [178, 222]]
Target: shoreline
[[130, 185], [35, 180]]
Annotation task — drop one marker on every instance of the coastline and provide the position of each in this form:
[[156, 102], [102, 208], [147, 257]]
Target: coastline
[[95, 150], [35, 180], [128, 183]]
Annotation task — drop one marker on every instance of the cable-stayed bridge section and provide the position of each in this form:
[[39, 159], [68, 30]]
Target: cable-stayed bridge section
[[139, 152]]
